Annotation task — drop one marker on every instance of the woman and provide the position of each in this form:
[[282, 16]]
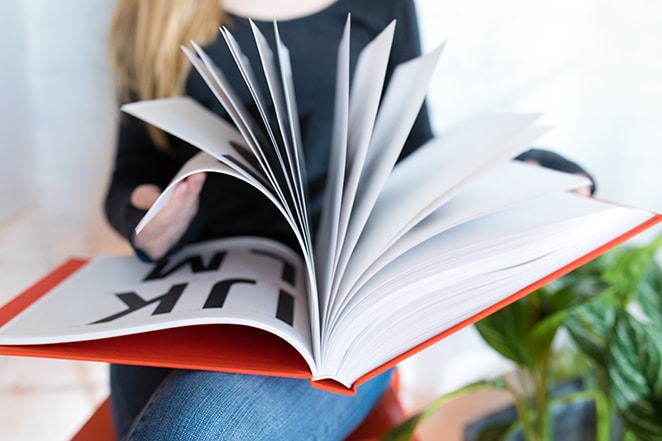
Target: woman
[[166, 404]]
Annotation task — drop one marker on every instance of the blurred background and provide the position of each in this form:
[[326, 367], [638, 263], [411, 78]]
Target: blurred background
[[592, 67]]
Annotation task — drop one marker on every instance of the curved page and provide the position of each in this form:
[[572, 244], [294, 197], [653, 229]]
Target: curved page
[[241, 281]]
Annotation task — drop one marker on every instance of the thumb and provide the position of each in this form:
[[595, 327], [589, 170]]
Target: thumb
[[144, 196]]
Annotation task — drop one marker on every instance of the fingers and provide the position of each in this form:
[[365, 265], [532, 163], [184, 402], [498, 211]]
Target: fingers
[[189, 189], [144, 196], [168, 226]]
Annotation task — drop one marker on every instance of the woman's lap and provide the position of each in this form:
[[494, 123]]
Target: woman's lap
[[153, 403]]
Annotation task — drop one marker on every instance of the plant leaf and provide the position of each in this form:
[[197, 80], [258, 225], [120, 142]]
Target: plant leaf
[[577, 289], [497, 431], [650, 295], [539, 342], [635, 373], [590, 328], [405, 430], [630, 269], [507, 331]]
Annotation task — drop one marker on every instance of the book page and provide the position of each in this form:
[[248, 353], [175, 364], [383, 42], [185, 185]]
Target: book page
[[293, 167], [261, 146], [245, 281], [512, 183], [457, 274], [189, 121], [275, 152], [503, 150], [431, 176], [226, 95], [444, 312], [441, 169], [401, 105], [364, 101], [327, 232], [285, 69], [203, 163]]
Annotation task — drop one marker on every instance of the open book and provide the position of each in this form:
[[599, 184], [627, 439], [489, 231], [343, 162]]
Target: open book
[[406, 253]]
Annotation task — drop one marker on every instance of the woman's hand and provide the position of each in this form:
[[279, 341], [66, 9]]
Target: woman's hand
[[167, 227]]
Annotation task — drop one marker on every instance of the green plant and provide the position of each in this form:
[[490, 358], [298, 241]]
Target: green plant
[[612, 310], [620, 331]]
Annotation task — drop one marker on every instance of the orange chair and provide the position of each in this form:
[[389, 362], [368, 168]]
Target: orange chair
[[387, 413]]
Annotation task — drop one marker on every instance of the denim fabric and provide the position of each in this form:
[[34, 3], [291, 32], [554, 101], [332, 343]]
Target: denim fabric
[[163, 404]]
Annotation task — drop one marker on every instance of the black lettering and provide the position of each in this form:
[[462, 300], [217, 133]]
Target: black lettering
[[134, 302], [288, 274], [220, 291], [285, 309], [195, 262]]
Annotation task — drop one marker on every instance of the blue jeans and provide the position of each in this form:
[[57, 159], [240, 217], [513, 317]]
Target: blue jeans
[[171, 405]]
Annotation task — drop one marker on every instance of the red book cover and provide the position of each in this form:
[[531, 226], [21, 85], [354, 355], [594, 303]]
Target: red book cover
[[230, 348]]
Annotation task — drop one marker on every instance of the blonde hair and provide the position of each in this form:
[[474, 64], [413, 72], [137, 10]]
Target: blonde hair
[[145, 39]]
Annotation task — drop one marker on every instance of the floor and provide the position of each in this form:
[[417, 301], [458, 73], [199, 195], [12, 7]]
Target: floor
[[593, 70]]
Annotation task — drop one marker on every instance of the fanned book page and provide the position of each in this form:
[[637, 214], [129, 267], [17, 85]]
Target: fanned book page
[[406, 252]]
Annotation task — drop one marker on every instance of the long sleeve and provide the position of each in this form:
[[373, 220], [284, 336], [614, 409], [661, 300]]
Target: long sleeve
[[553, 160], [137, 161]]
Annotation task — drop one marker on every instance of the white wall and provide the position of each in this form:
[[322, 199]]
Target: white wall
[[16, 142], [71, 92], [57, 122], [593, 67]]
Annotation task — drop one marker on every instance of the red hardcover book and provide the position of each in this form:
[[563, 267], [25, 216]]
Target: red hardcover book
[[405, 254], [225, 347]]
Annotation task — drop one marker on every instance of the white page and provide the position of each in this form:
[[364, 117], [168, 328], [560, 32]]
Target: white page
[[516, 144], [274, 153], [449, 253], [275, 89], [441, 169], [402, 102], [434, 169], [366, 91], [524, 232], [367, 88], [434, 272], [83, 306], [386, 342], [510, 184], [189, 121], [327, 234], [202, 162], [292, 116], [253, 134], [285, 67], [221, 89], [244, 66], [543, 238], [292, 169]]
